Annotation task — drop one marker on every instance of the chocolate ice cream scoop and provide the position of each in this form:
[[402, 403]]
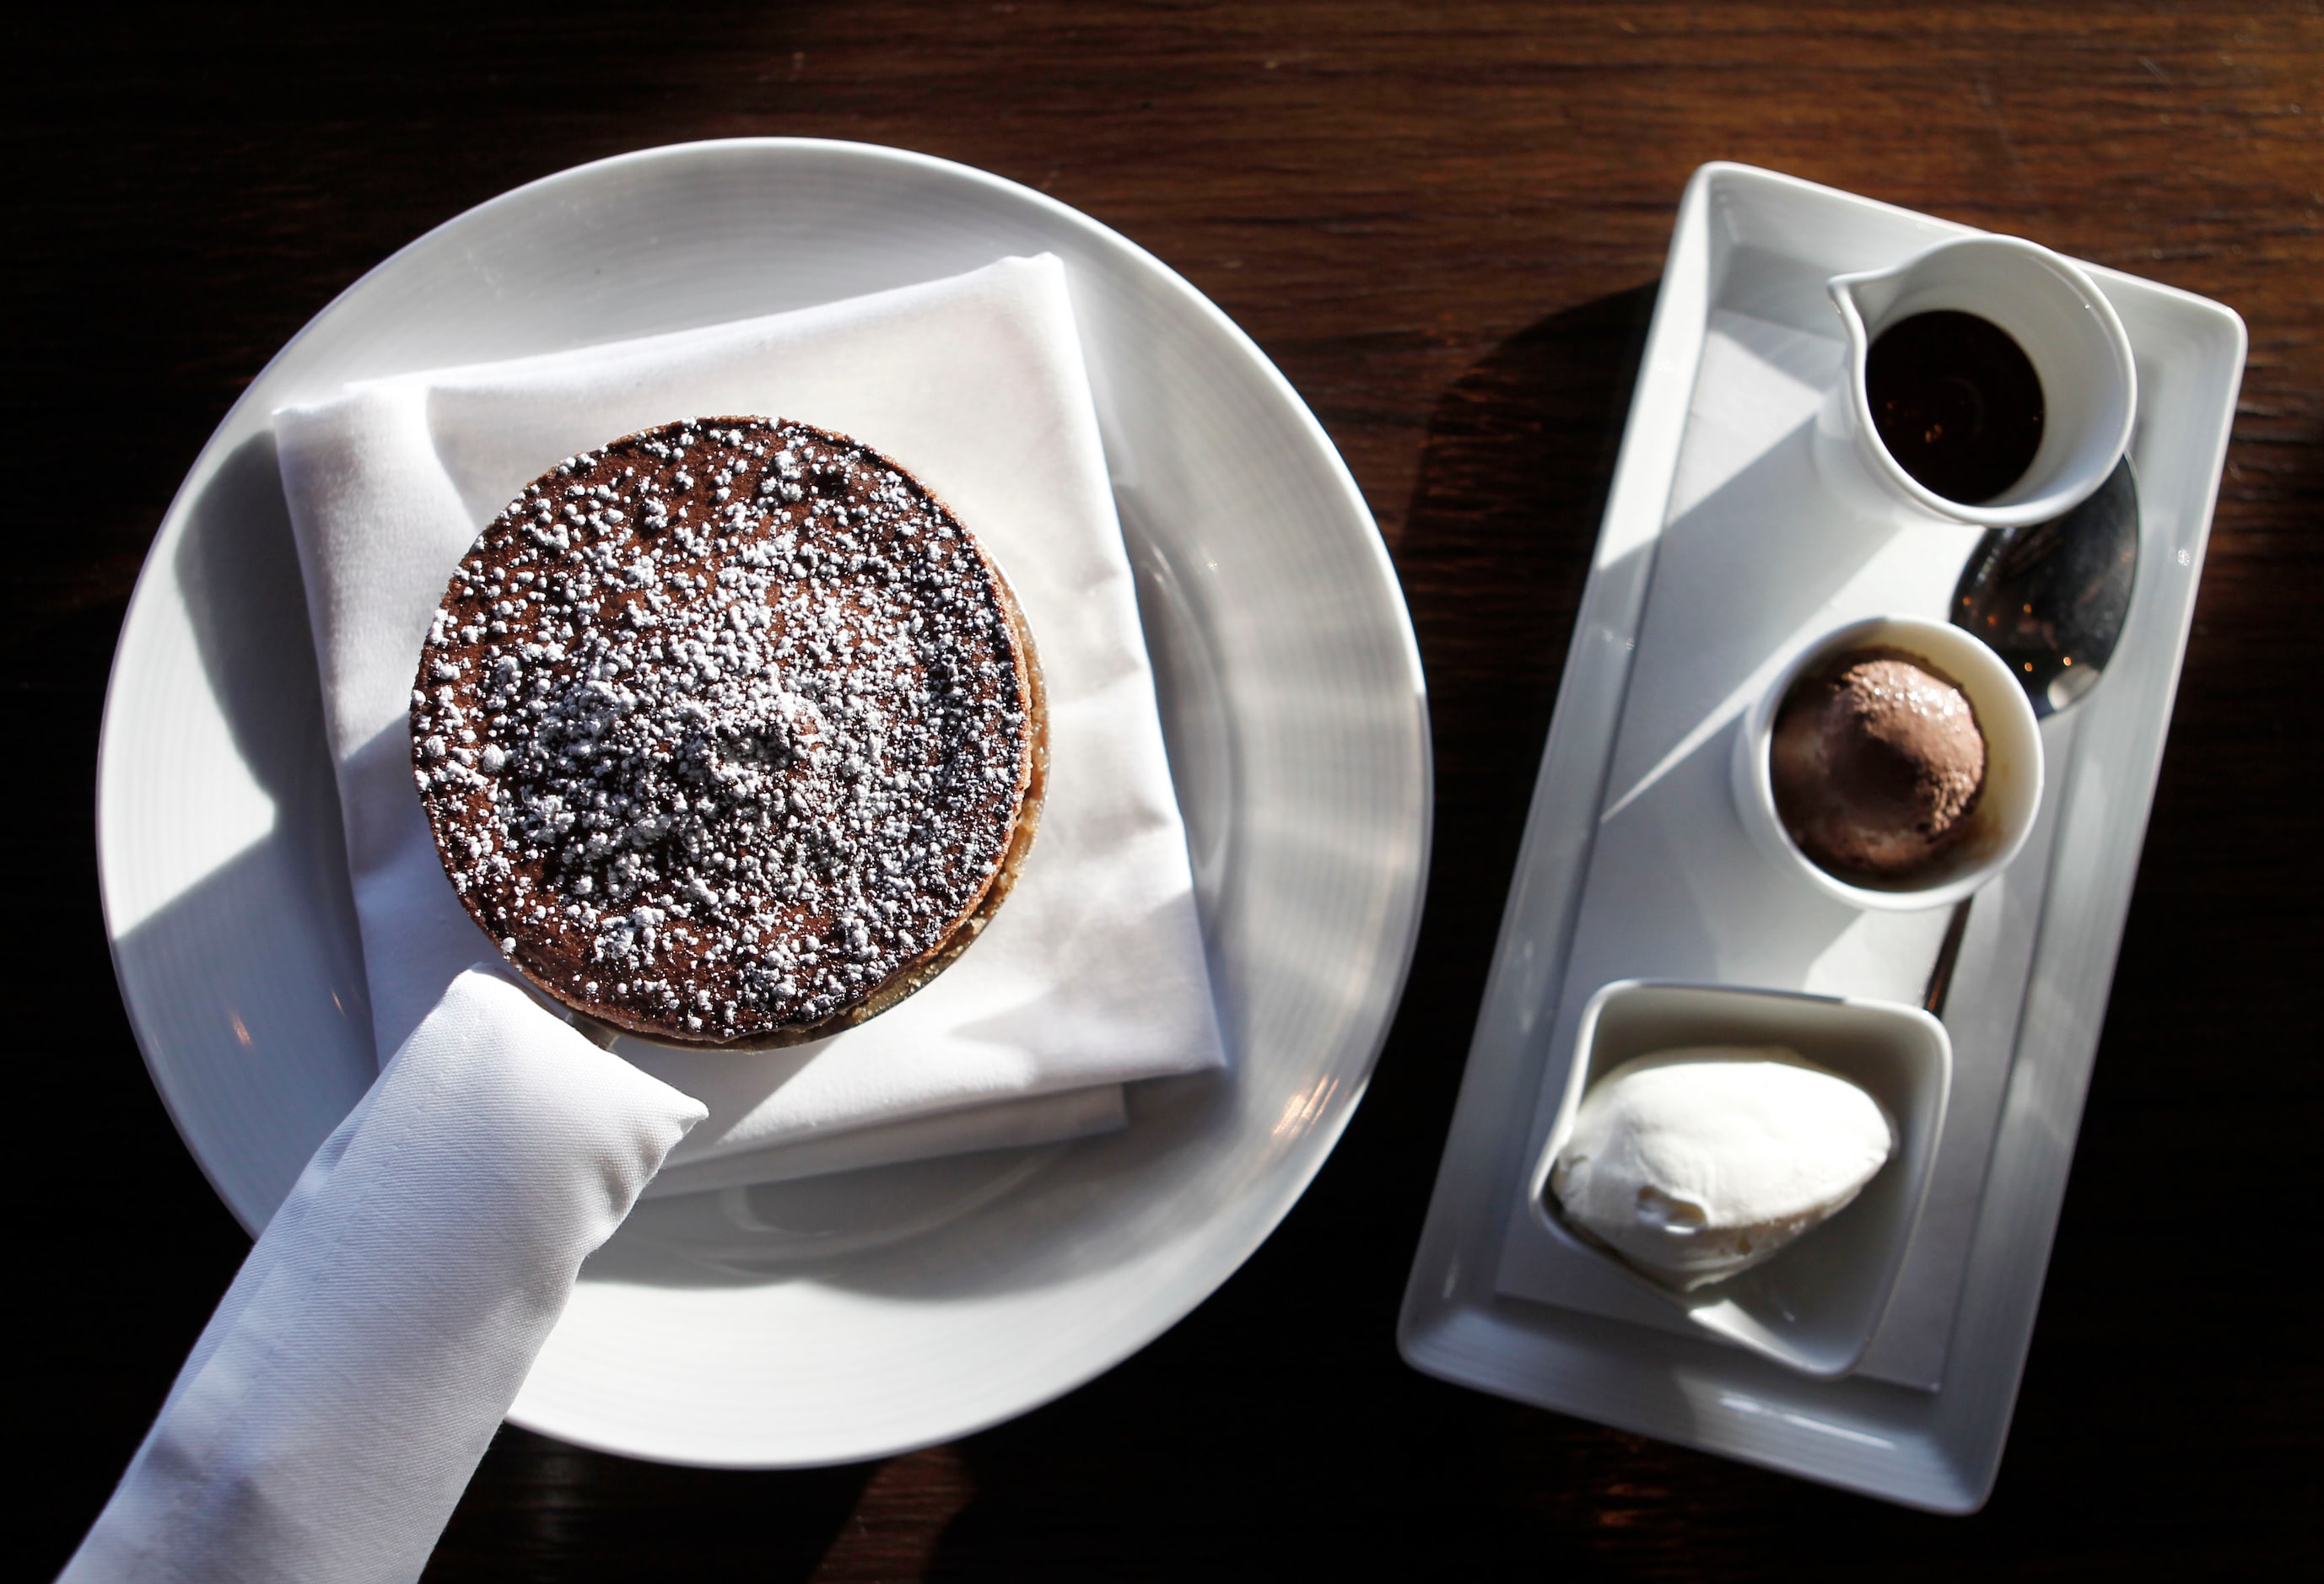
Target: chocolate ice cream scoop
[[1878, 762]]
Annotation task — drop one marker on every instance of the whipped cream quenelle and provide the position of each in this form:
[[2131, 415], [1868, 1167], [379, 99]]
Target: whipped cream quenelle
[[1695, 1163]]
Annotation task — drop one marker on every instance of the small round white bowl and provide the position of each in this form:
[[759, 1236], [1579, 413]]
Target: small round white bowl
[[2004, 816]]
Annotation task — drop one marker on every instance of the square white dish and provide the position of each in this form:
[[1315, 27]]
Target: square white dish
[[1924, 1422], [1814, 1306]]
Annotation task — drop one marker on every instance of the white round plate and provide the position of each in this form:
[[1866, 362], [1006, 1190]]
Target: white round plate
[[851, 1317]]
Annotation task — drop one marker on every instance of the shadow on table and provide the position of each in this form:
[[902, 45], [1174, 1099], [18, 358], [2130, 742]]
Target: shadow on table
[[1275, 1432], [540, 1508]]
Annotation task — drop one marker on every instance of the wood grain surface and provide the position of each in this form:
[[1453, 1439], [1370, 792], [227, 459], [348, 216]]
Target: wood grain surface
[[1446, 224]]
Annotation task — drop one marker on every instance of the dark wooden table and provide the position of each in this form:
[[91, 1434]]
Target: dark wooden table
[[1445, 225]]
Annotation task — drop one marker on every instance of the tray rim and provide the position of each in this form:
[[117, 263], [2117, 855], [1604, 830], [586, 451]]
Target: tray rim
[[1452, 1323]]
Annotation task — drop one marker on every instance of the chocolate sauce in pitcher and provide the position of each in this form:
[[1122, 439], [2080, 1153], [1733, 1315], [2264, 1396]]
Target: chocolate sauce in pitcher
[[1957, 403]]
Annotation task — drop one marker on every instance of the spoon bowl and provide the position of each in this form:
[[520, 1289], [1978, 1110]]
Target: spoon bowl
[[2051, 598]]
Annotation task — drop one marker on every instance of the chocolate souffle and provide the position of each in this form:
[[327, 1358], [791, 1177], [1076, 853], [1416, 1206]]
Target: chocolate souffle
[[729, 733]]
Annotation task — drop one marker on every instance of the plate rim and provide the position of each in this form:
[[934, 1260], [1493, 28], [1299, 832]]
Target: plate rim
[[1398, 936]]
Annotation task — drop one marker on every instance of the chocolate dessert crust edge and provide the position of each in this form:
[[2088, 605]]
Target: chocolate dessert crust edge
[[915, 974]]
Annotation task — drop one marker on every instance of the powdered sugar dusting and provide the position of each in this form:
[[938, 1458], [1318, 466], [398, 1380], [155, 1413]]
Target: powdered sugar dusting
[[721, 727]]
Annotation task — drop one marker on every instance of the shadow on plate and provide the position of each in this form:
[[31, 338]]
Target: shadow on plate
[[259, 956]]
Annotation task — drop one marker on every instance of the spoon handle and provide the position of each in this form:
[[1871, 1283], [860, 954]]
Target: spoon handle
[[1941, 977]]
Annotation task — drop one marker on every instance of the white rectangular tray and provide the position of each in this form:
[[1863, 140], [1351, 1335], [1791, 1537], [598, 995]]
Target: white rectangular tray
[[1627, 870]]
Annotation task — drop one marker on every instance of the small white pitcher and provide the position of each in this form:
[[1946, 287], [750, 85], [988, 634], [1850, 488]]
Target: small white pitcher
[[2054, 311]]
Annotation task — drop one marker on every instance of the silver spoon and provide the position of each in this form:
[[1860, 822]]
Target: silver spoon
[[2049, 600]]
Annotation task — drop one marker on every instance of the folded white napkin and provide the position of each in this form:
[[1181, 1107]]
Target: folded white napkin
[[330, 1415], [1091, 974]]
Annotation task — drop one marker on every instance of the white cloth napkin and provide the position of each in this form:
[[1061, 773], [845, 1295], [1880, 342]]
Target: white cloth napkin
[[332, 1411], [1093, 974]]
